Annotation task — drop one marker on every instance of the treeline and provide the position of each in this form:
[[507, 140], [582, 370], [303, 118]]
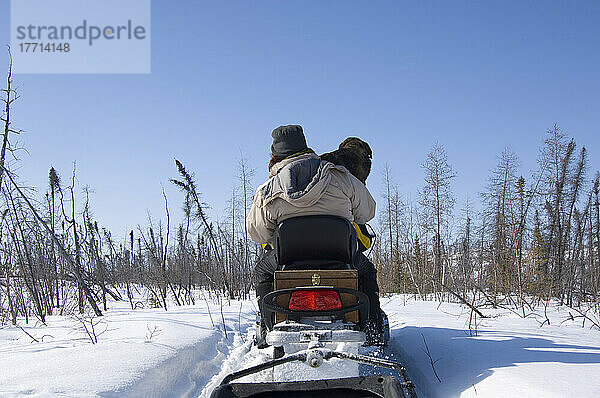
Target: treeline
[[56, 258], [528, 238]]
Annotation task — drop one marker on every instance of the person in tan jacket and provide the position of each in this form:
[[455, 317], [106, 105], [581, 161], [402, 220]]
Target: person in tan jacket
[[304, 185], [301, 184]]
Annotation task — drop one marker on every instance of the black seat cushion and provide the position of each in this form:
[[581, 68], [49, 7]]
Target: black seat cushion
[[315, 241]]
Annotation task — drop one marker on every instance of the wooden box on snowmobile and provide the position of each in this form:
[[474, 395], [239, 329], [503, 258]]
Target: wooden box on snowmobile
[[345, 278]]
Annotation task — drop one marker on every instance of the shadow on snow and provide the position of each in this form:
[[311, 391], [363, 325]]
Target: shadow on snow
[[473, 358]]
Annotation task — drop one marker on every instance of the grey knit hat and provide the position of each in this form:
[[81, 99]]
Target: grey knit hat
[[288, 140]]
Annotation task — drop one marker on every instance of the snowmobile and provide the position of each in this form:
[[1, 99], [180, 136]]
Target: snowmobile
[[315, 305]]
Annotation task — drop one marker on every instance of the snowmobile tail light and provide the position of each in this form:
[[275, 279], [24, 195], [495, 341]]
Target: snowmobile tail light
[[315, 300]]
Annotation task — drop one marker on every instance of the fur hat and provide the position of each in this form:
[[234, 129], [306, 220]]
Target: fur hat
[[288, 140], [355, 155]]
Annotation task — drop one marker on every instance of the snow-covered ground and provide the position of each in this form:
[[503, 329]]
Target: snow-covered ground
[[186, 356], [142, 353], [508, 357]]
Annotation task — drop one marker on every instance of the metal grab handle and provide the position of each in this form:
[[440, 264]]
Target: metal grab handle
[[301, 356]]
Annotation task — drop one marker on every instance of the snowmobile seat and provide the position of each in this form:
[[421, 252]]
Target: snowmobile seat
[[315, 242], [316, 251]]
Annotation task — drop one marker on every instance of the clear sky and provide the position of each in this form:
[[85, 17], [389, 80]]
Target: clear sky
[[475, 76]]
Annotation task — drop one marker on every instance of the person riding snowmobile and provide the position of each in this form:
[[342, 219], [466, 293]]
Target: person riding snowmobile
[[302, 184]]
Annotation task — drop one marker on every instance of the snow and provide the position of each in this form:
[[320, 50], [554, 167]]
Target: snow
[[187, 356], [508, 356], [178, 360]]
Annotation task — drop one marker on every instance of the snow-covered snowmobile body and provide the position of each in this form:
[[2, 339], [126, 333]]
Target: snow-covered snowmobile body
[[369, 386], [315, 306], [383, 386]]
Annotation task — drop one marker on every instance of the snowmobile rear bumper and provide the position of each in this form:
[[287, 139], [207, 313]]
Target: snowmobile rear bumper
[[278, 338]]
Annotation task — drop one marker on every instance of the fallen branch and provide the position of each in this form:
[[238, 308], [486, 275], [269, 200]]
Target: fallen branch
[[585, 316], [33, 339], [431, 361], [30, 336], [460, 298]]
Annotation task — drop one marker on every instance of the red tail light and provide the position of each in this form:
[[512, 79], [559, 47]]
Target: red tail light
[[315, 300]]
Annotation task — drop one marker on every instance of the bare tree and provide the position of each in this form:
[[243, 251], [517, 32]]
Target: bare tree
[[245, 178], [437, 200], [188, 185], [9, 99]]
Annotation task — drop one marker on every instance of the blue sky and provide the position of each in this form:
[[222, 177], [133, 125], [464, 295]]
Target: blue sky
[[475, 76]]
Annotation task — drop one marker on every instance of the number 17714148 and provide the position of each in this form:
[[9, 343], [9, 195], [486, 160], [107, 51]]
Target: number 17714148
[[44, 47]]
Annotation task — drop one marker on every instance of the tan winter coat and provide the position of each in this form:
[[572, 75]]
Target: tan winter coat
[[303, 186]]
